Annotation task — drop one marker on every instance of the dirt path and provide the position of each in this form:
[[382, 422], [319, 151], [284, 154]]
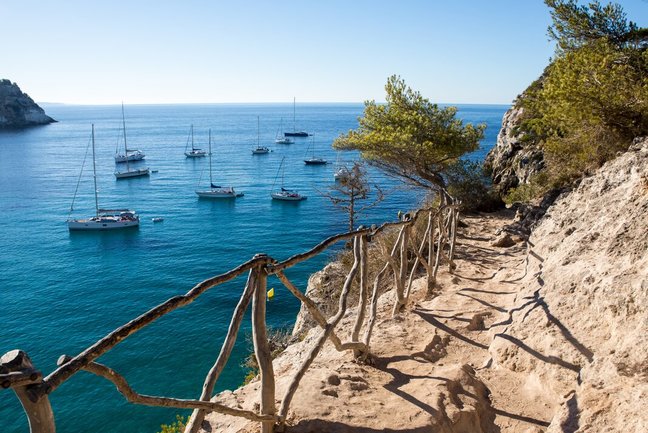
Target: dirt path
[[432, 370]]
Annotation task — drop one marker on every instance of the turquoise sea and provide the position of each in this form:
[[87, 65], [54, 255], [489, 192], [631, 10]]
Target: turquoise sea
[[62, 291]]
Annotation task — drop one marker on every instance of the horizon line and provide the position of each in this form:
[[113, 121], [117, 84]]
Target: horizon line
[[259, 103]]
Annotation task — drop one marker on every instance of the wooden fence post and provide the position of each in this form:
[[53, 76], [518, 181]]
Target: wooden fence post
[[198, 415], [262, 348], [37, 408], [362, 300]]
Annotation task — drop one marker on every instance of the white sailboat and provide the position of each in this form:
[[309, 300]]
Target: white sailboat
[[314, 160], [195, 152], [104, 219], [129, 154], [259, 150], [279, 139], [216, 191], [341, 172], [284, 193], [136, 172]]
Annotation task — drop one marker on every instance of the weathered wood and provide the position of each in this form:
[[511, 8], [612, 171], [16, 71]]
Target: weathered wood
[[374, 308], [262, 349], [453, 239], [64, 372], [419, 259], [297, 258], [311, 307], [198, 416], [402, 271], [332, 323], [37, 407], [148, 400], [362, 297], [20, 378], [431, 229]]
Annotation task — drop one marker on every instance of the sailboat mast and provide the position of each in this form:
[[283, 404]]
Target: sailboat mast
[[210, 158], [94, 173], [192, 140], [258, 133], [294, 124], [124, 129]]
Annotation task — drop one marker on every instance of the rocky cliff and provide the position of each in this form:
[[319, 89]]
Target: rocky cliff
[[541, 334], [17, 109], [513, 160]]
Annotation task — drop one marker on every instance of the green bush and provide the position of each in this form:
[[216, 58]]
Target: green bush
[[177, 426], [468, 182]]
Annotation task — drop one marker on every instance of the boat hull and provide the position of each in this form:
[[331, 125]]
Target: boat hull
[[260, 151], [103, 223], [296, 134], [132, 173], [314, 161], [196, 154], [219, 193], [287, 196]]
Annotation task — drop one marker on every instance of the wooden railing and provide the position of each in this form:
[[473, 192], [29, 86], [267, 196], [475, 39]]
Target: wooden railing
[[437, 245]]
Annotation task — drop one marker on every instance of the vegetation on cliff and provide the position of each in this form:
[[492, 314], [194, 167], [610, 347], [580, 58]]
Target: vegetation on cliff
[[592, 100]]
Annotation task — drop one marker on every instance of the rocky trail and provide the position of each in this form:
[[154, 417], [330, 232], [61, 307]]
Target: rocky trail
[[431, 365]]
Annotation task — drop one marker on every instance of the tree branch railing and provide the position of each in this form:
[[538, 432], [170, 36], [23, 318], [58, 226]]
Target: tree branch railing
[[437, 243]]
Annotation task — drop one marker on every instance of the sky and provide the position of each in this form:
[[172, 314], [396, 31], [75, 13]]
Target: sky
[[244, 51]]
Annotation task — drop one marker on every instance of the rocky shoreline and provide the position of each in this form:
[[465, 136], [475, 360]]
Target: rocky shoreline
[[18, 110]]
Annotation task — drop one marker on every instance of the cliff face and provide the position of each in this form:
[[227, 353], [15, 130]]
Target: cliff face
[[513, 160], [17, 109], [580, 324]]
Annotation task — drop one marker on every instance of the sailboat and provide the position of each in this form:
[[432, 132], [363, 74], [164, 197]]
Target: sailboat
[[313, 160], [216, 191], [129, 154], [279, 139], [283, 193], [295, 133], [195, 152], [129, 173], [104, 219], [342, 172], [259, 149]]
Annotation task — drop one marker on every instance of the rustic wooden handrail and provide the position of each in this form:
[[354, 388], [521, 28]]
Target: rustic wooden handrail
[[16, 371]]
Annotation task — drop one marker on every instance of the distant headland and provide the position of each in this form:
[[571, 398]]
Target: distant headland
[[17, 109]]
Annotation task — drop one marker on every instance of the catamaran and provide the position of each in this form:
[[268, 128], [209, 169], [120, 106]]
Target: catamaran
[[216, 191], [104, 219]]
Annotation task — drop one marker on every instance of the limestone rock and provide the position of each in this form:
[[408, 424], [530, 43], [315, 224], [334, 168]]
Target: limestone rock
[[17, 109], [513, 160]]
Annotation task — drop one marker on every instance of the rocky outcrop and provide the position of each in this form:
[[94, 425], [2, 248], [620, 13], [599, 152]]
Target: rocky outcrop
[[580, 325], [513, 160], [18, 110]]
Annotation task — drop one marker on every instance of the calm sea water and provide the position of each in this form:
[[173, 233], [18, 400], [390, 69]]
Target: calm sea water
[[62, 291]]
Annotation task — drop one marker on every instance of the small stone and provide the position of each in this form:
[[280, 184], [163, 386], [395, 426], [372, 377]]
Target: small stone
[[358, 386], [333, 379], [330, 392], [504, 240]]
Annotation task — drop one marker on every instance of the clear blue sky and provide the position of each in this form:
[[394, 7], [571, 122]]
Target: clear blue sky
[[142, 51]]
